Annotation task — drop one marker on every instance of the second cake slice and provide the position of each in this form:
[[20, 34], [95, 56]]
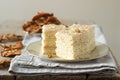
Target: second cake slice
[[48, 38]]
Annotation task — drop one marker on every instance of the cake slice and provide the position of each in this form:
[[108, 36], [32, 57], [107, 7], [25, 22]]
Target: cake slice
[[75, 42], [48, 38]]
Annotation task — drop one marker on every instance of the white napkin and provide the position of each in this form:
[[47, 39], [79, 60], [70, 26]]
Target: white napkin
[[29, 64]]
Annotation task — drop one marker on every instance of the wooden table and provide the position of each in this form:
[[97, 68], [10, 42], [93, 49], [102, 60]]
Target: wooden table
[[5, 75]]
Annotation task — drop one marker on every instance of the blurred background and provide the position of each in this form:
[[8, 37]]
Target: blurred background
[[105, 13]]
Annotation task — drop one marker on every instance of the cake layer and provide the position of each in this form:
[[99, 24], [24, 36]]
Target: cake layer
[[50, 50], [48, 43]]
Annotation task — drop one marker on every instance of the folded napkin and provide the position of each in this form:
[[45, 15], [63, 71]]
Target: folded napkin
[[29, 64]]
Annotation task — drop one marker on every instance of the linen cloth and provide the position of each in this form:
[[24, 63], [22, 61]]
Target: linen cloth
[[29, 64]]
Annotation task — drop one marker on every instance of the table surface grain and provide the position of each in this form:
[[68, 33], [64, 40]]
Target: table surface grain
[[5, 75]]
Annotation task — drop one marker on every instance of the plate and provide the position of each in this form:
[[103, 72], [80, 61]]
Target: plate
[[34, 49]]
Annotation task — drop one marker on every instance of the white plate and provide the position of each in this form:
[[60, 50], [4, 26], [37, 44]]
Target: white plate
[[34, 49]]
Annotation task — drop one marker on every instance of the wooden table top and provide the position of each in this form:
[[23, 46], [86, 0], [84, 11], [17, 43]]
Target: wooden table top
[[5, 75]]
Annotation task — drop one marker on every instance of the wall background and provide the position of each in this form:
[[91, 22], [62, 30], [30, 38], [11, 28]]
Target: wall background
[[105, 13]]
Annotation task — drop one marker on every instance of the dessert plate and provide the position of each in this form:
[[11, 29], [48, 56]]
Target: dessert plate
[[34, 49]]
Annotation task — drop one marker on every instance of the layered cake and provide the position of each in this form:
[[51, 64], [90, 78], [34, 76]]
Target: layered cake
[[75, 42], [48, 38]]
